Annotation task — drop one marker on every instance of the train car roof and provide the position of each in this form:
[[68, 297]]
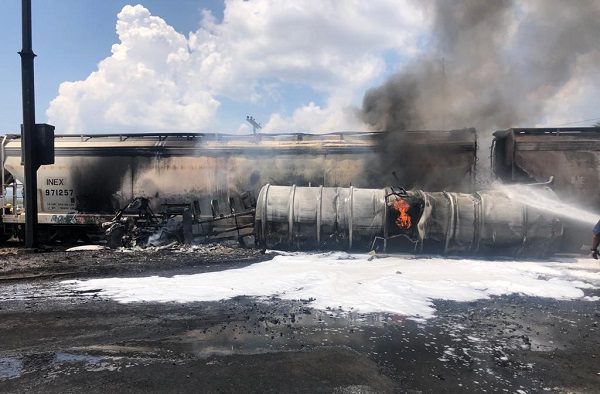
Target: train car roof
[[186, 143]]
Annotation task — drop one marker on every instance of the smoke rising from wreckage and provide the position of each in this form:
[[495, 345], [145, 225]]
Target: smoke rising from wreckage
[[201, 186], [490, 65]]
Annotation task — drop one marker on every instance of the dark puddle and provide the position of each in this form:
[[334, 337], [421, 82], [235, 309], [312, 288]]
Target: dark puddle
[[55, 363], [10, 367]]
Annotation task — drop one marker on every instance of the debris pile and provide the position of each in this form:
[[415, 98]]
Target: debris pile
[[137, 226]]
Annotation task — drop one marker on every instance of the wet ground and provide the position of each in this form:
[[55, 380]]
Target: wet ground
[[18, 263], [55, 339]]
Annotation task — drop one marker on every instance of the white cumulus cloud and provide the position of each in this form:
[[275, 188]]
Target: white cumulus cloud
[[337, 115], [157, 79]]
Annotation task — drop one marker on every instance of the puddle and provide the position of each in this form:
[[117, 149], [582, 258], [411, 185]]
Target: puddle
[[292, 331], [10, 367], [90, 363], [61, 358], [55, 364], [446, 348]]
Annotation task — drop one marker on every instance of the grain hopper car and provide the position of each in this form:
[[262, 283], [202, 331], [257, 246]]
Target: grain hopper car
[[570, 155], [95, 176]]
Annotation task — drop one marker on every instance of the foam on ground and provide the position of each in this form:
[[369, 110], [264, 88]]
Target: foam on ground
[[86, 248], [401, 285]]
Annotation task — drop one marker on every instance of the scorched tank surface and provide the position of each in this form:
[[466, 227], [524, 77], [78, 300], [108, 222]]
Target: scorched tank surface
[[482, 223]]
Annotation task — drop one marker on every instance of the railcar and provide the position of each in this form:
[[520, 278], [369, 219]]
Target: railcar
[[96, 175]]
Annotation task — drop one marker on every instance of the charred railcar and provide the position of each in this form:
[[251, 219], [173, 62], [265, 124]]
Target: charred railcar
[[95, 175], [570, 155]]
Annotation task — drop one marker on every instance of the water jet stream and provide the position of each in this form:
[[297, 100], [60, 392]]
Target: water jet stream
[[544, 199]]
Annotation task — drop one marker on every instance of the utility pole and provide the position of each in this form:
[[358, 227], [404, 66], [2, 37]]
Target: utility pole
[[255, 125], [444, 94], [27, 132]]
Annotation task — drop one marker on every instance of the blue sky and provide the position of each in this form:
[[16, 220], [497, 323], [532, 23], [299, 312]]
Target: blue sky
[[70, 37]]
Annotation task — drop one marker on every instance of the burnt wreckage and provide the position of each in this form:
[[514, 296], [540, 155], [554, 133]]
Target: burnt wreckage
[[312, 191]]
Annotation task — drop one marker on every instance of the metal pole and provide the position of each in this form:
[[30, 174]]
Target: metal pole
[[27, 137], [2, 165]]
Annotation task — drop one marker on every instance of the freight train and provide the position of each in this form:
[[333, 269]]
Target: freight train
[[216, 175], [95, 175]]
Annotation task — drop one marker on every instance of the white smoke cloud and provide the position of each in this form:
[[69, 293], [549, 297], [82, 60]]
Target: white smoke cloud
[[157, 79]]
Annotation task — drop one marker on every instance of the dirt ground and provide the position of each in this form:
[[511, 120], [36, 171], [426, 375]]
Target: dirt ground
[[18, 263], [54, 339]]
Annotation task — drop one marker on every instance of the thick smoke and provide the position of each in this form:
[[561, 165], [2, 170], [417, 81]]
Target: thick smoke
[[492, 65]]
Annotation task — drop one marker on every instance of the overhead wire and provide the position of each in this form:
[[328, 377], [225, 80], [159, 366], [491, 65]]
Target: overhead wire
[[580, 121]]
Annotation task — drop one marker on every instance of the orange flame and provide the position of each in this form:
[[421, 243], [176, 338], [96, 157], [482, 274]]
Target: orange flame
[[403, 221]]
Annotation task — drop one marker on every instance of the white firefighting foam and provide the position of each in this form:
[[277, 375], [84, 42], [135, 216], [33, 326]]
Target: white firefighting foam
[[399, 285]]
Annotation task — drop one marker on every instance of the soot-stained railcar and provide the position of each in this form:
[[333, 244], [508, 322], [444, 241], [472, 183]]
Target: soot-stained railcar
[[95, 175], [571, 155]]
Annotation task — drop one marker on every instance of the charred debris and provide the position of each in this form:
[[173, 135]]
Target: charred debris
[[348, 219], [137, 225]]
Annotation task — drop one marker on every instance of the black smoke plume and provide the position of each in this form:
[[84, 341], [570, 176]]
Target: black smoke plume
[[491, 65]]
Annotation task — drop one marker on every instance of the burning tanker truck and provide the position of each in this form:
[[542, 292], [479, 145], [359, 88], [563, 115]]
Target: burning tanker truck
[[398, 220]]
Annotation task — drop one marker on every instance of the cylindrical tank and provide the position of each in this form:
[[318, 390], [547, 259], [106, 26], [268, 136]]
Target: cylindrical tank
[[291, 217], [488, 222]]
